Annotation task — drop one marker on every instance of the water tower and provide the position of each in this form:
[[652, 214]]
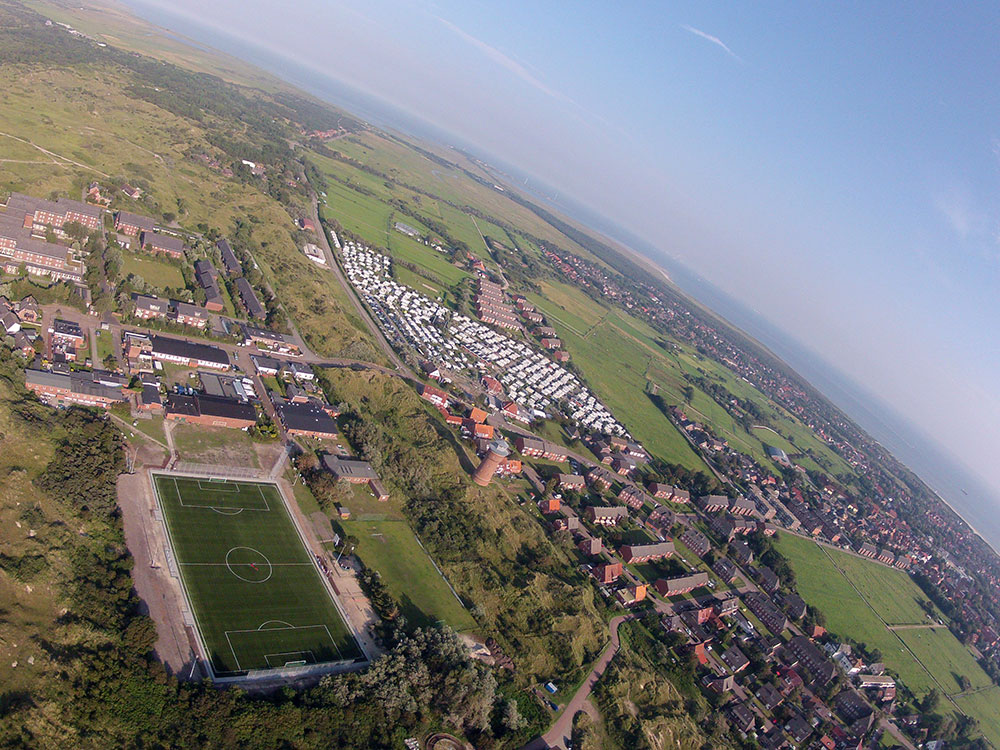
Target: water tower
[[496, 454]]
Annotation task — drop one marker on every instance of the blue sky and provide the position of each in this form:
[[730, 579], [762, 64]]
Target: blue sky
[[835, 167]]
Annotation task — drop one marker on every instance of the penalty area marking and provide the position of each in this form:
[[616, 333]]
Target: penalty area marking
[[293, 663], [239, 668], [218, 509], [282, 622], [230, 489]]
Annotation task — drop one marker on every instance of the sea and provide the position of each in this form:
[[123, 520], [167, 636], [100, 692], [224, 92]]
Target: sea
[[959, 487]]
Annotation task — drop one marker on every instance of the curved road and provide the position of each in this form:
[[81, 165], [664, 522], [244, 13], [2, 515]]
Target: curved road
[[559, 733]]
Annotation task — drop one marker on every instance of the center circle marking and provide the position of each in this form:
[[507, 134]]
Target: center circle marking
[[251, 561]]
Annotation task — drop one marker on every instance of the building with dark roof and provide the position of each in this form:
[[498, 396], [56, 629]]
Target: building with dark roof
[[355, 471], [213, 411], [306, 419], [352, 470], [229, 259], [23, 230], [735, 659], [809, 656], [149, 399], [208, 279], [773, 618], [767, 579], [133, 224], [640, 553], [188, 353], [681, 584], [80, 388], [249, 298], [162, 243], [695, 541], [606, 516], [266, 365]]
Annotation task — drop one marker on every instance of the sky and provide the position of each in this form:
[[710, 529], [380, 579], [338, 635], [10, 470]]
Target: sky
[[835, 167]]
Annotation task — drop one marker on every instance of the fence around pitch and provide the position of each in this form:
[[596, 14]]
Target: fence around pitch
[[218, 470]]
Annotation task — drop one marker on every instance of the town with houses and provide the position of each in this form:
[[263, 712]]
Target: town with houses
[[697, 563]]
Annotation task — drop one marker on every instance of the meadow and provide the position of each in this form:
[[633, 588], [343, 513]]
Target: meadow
[[160, 273], [389, 547], [855, 595], [214, 445]]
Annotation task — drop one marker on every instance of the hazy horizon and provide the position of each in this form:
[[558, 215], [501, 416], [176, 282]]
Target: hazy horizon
[[896, 292]]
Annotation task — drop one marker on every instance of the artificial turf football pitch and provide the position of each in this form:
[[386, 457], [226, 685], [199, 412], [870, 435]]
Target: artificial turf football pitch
[[258, 599]]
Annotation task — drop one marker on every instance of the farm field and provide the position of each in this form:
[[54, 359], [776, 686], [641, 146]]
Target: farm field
[[257, 597], [159, 273], [924, 658], [945, 658], [891, 593], [390, 547], [984, 705], [407, 249]]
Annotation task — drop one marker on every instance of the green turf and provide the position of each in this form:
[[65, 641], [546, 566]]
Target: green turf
[[984, 705], [160, 273], [945, 658], [892, 593], [390, 547], [257, 597], [924, 659]]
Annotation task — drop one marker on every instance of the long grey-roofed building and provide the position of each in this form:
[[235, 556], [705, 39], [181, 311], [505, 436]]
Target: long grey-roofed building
[[229, 259], [22, 228], [84, 388], [189, 353], [250, 301]]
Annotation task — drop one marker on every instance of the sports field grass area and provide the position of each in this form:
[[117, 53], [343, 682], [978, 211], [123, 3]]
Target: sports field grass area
[[257, 596], [390, 547]]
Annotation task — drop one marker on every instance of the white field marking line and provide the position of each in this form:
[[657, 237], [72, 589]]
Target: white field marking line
[[340, 655], [180, 500], [222, 511], [270, 567], [286, 624], [329, 635], [263, 497], [222, 564], [199, 633], [230, 489], [267, 657], [235, 657], [293, 627]]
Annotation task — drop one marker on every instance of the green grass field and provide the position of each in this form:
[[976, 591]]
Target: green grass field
[[945, 658], [923, 658], [984, 705], [257, 597], [390, 547], [159, 273]]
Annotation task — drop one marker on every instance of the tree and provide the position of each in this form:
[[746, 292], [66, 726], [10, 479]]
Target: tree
[[510, 717], [930, 701]]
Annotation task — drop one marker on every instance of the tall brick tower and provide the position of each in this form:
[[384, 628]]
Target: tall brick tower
[[495, 455]]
